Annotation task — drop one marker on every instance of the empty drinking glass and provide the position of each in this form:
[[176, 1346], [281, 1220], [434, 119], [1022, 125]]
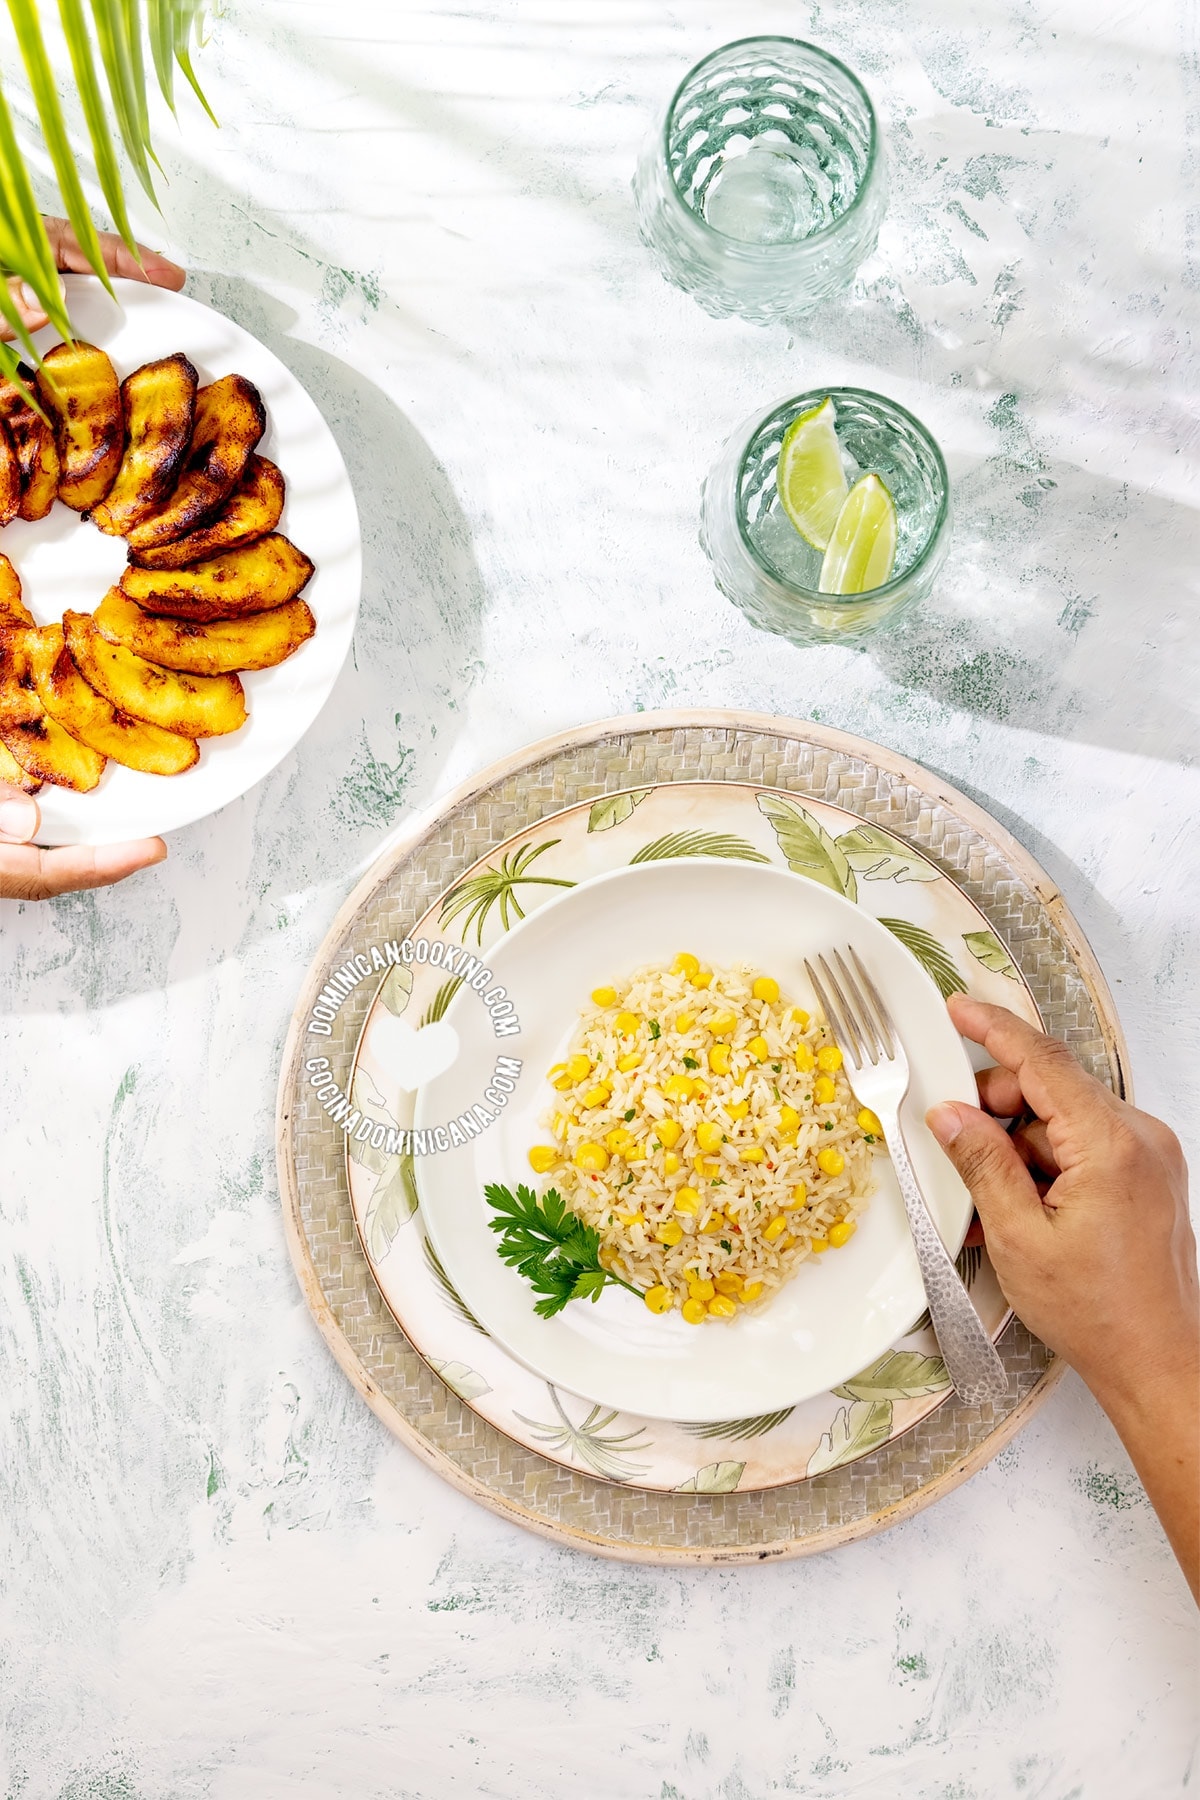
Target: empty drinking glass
[[764, 188]]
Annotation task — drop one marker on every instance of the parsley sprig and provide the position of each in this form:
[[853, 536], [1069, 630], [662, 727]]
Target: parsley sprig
[[556, 1251]]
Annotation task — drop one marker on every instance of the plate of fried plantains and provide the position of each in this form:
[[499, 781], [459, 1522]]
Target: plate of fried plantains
[[180, 565]]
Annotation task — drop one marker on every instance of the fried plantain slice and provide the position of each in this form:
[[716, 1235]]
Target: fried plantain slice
[[195, 705], [158, 402], [33, 439], [10, 476], [75, 705], [12, 772], [253, 509], [19, 703], [78, 387], [37, 743], [250, 580], [13, 610], [258, 641], [229, 420]]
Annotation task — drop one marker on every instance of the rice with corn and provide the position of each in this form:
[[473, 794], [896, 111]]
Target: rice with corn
[[704, 1127]]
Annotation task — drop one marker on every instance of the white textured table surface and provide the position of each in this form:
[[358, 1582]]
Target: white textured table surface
[[220, 1576]]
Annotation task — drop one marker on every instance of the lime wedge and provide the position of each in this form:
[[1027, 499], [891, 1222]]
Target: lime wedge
[[810, 478], [862, 547]]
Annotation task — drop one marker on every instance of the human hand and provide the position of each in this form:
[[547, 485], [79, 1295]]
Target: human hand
[[27, 873], [70, 258], [1084, 1209]]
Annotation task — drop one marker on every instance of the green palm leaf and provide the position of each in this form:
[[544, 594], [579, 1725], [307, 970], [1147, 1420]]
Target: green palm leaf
[[92, 100], [735, 1430], [478, 894], [698, 843], [931, 955], [452, 1296], [437, 1006]]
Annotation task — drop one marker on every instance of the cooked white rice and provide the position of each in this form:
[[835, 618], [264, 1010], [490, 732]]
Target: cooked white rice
[[613, 1164]]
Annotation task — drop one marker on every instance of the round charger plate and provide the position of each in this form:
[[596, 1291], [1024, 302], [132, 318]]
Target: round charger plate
[[701, 1521], [66, 563]]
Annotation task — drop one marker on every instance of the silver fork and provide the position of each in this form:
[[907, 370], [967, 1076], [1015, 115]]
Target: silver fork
[[877, 1069]]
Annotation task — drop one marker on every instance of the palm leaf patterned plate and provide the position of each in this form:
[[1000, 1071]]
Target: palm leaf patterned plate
[[926, 911]]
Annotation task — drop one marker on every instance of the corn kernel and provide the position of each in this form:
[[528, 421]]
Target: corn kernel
[[626, 1063], [619, 1140], [754, 1154], [765, 988], [818, 1245], [709, 1136], [721, 1023], [670, 1234], [555, 1070], [604, 996], [606, 1256], [685, 964], [789, 1138], [751, 1292], [636, 1153], [718, 1059], [707, 1170], [775, 1229], [702, 978], [718, 1222], [758, 1049], [729, 1284], [800, 1017], [670, 1163], [678, 1087], [591, 1158], [824, 1090], [789, 1118], [829, 1058], [562, 1084], [694, 1311], [804, 1058], [798, 1195], [830, 1162], [687, 1201], [737, 1109], [684, 1021], [562, 1125], [869, 1123], [633, 1218], [626, 1022], [542, 1157], [722, 1307], [659, 1299], [579, 1067], [842, 1232], [600, 1095], [700, 1089], [700, 1290], [668, 1132]]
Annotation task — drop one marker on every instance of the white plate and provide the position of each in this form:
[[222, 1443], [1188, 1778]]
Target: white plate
[[65, 562], [837, 1314]]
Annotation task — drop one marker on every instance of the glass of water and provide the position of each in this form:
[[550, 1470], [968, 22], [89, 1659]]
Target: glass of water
[[764, 188], [771, 571]]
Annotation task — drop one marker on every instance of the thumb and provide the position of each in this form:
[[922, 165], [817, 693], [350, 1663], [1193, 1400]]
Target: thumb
[[986, 1158]]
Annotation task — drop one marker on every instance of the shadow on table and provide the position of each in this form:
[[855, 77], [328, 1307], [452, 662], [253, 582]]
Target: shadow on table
[[248, 871]]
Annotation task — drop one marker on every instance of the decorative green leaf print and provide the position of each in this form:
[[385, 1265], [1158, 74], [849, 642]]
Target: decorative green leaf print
[[896, 1375], [698, 843], [986, 948], [467, 1383], [477, 895], [714, 1478], [437, 1006], [370, 1102], [391, 1205], [614, 809], [856, 1429], [450, 1293], [808, 847], [736, 1430], [968, 1262], [932, 956], [608, 1456], [395, 990], [878, 856]]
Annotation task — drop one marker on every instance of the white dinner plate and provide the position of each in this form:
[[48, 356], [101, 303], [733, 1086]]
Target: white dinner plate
[[836, 1314], [65, 562]]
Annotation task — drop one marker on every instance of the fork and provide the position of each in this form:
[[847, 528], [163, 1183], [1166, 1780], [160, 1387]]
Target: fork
[[877, 1069]]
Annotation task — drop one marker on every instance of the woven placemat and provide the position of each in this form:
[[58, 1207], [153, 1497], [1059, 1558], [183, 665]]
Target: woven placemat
[[651, 748]]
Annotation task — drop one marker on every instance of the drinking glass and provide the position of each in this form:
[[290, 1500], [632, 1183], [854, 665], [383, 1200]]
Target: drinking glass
[[763, 564], [764, 188]]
